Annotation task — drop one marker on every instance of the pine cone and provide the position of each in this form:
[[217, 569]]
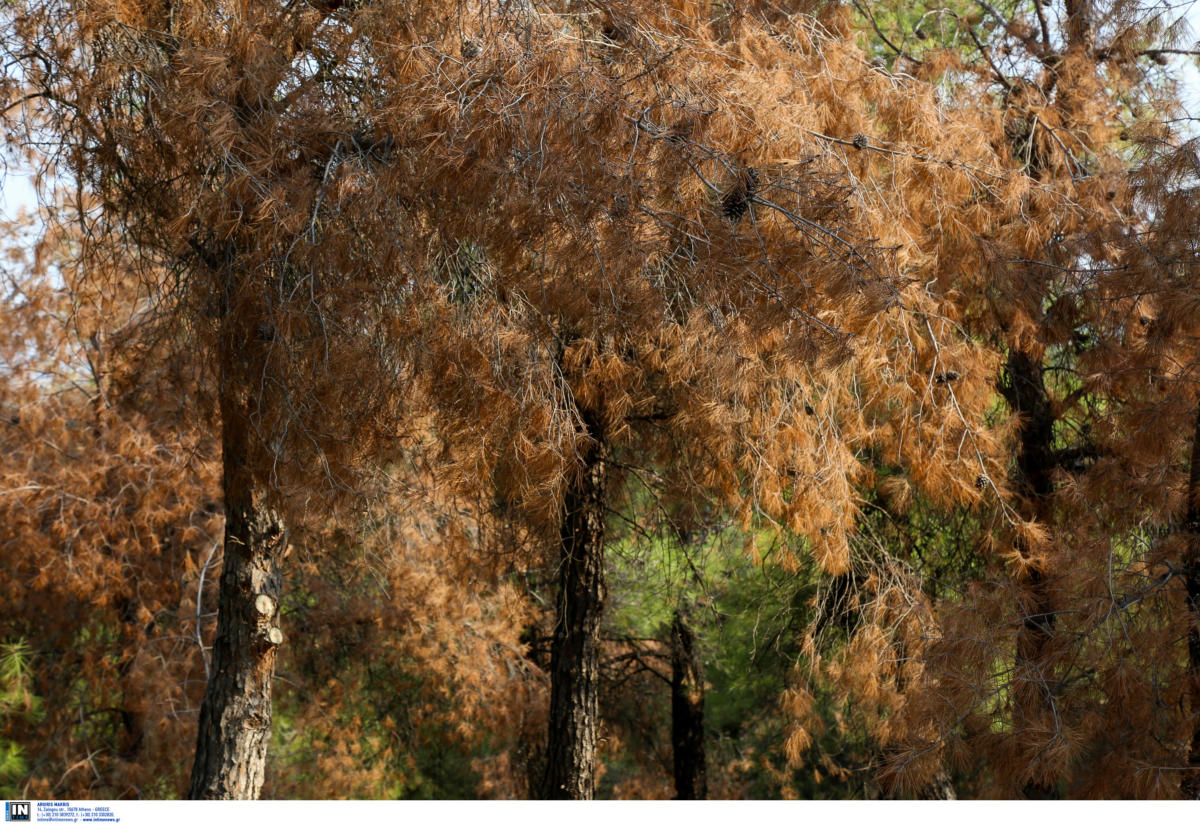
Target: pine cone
[[860, 141], [737, 200]]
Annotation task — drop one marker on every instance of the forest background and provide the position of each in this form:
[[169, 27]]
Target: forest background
[[600, 400]]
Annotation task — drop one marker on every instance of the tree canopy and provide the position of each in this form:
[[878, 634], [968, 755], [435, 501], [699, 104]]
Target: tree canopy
[[594, 399]]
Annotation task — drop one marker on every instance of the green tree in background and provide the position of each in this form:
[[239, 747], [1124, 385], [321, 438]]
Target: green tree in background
[[18, 705]]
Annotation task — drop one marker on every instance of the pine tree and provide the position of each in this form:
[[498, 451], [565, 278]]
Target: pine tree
[[554, 249], [160, 116]]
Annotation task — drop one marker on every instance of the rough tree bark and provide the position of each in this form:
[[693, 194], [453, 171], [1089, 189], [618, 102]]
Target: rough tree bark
[[1191, 579], [574, 656], [940, 788], [235, 716], [1024, 388], [687, 713]]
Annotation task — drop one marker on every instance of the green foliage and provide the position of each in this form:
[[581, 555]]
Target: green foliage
[[892, 28], [384, 736], [749, 615], [17, 701]]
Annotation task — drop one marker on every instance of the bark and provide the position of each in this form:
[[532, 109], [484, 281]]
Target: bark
[[132, 712], [235, 716], [1191, 580], [687, 713], [574, 659], [941, 788], [1025, 390], [1079, 25]]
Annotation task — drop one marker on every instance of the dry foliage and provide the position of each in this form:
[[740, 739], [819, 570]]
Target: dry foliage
[[444, 251]]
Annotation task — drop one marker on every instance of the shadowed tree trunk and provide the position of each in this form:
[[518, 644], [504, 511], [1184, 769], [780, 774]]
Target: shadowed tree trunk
[[687, 713], [1023, 386], [574, 660], [1191, 580], [235, 717]]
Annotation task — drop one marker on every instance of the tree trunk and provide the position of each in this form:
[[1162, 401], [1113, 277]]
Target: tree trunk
[[1025, 390], [574, 659], [1191, 580], [235, 717], [687, 713], [940, 788], [1079, 25]]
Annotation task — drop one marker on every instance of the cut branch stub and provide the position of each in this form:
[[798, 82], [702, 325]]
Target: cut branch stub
[[265, 606]]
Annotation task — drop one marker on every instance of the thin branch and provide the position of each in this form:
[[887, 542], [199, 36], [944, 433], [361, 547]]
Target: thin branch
[[871, 18]]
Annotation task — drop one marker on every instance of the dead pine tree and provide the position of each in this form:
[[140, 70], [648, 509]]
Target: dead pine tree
[[663, 299], [167, 119], [1073, 324], [719, 283]]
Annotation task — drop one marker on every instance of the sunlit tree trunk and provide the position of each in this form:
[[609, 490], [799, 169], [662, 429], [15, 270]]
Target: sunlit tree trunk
[[574, 659], [1191, 573], [940, 788], [687, 713], [235, 717], [1025, 390]]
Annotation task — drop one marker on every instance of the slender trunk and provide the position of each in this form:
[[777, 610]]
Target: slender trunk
[[687, 713], [1033, 689], [1191, 580], [132, 710], [235, 717], [574, 659]]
